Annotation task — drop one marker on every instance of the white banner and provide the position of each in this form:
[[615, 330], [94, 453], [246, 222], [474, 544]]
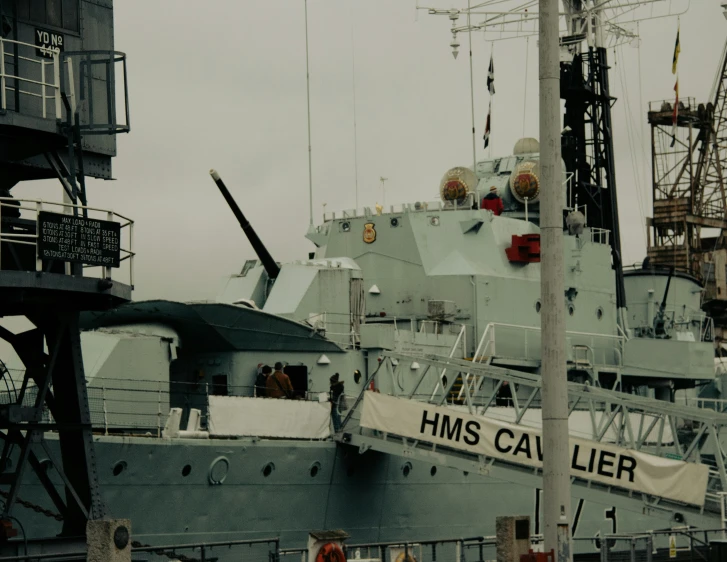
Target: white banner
[[268, 417], [600, 462]]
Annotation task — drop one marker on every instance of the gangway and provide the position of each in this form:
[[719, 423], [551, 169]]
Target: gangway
[[678, 446]]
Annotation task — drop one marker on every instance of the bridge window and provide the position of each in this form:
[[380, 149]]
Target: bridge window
[[62, 14]]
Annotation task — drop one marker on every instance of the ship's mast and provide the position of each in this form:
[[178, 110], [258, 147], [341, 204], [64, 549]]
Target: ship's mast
[[307, 91], [588, 146]]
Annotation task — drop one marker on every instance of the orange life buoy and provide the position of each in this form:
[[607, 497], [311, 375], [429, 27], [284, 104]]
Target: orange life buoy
[[409, 558], [330, 552]]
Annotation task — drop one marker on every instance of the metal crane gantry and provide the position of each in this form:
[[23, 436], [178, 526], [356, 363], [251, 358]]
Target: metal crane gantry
[[689, 164]]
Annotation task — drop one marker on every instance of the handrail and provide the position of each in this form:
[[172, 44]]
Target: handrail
[[55, 85], [489, 340], [462, 332], [35, 206]]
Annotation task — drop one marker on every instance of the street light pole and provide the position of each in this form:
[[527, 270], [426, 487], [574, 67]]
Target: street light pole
[[556, 477]]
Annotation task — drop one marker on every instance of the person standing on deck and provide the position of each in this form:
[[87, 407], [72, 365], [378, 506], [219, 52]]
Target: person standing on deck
[[261, 381], [336, 402], [492, 202], [278, 384]]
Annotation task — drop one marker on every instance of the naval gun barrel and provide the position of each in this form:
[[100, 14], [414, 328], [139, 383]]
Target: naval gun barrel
[[660, 320], [267, 260]]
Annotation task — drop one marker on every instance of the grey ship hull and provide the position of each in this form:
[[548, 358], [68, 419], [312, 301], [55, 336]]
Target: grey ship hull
[[367, 495]]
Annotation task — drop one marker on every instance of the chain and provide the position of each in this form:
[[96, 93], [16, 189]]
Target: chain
[[168, 553], [34, 507]]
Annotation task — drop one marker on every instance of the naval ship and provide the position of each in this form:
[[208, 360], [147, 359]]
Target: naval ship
[[427, 304]]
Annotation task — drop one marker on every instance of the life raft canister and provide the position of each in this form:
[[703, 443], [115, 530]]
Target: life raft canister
[[330, 552]]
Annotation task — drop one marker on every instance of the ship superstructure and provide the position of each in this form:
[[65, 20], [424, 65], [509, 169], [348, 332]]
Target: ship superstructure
[[434, 304]]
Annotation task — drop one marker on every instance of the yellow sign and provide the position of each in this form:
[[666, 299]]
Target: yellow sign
[[672, 546], [369, 233]]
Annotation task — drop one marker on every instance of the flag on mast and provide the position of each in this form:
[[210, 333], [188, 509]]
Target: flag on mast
[[491, 77], [487, 126], [675, 58], [675, 115]]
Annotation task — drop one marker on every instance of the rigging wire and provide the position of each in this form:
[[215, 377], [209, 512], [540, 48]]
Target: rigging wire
[[525, 89], [634, 140], [631, 133], [642, 140], [353, 79]]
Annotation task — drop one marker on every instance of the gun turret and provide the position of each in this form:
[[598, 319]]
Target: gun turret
[[660, 320], [267, 260]]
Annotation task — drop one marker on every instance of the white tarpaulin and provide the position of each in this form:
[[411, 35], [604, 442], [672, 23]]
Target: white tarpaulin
[[268, 417], [600, 462]]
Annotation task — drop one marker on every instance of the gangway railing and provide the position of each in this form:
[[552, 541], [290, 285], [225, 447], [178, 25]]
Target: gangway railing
[[655, 427], [602, 350], [602, 345]]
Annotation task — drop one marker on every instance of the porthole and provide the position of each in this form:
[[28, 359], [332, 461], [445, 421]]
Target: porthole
[[218, 471], [46, 465], [345, 226], [119, 467], [406, 469], [268, 469], [599, 313], [186, 469], [315, 469], [357, 376], [537, 306], [571, 309], [433, 470], [394, 222], [434, 221]]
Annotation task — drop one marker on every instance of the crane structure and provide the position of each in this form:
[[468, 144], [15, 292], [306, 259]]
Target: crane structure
[[689, 167]]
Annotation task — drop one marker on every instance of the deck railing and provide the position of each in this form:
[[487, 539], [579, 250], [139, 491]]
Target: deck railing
[[28, 232], [523, 342], [49, 70]]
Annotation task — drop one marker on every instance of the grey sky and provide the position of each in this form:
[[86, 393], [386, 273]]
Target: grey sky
[[222, 84]]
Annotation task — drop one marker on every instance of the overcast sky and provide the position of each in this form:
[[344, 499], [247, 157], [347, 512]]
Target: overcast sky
[[222, 84]]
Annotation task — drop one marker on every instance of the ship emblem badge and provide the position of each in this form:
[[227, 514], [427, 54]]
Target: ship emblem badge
[[369, 233]]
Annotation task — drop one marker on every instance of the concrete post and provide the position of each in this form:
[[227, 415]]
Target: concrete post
[[513, 537], [556, 480], [108, 540]]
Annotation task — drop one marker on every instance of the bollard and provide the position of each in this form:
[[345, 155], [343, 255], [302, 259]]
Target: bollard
[[108, 540], [513, 537]]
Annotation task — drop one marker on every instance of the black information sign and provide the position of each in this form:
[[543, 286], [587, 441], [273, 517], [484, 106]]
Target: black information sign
[[46, 41], [79, 240]]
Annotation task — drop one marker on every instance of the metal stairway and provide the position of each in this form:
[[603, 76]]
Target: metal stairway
[[659, 428]]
